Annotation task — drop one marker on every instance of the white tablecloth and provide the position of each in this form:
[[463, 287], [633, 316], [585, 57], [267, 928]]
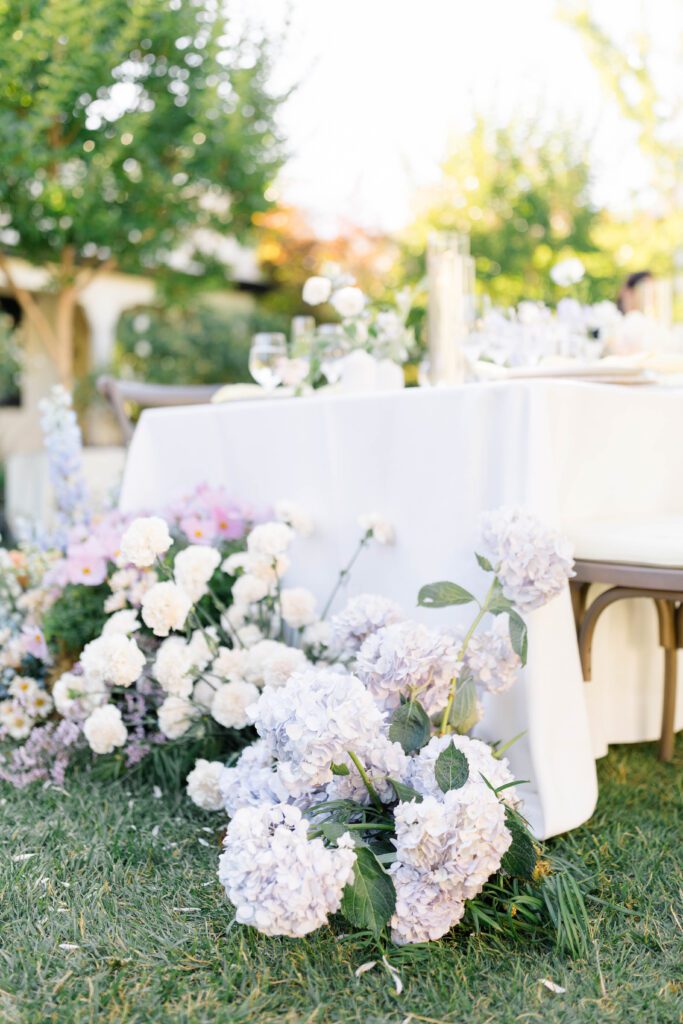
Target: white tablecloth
[[431, 461]]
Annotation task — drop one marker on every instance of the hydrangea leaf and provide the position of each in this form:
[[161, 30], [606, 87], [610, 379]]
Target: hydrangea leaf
[[339, 769], [410, 726], [332, 830], [369, 899], [520, 858], [484, 563], [464, 711], [443, 594], [518, 636], [404, 792], [498, 602], [452, 769]]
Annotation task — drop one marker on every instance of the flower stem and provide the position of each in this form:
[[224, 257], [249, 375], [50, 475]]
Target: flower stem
[[445, 726], [344, 573], [374, 795]]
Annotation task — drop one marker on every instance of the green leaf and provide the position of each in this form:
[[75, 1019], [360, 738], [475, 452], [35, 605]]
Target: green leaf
[[405, 793], [483, 563], [339, 769], [518, 636], [464, 711], [520, 858], [410, 727], [369, 899], [498, 602], [332, 830], [452, 769], [442, 595]]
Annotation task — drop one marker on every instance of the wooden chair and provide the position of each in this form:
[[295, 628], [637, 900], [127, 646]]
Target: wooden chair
[[122, 394], [644, 560]]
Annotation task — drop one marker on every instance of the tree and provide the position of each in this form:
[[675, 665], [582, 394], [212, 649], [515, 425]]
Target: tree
[[523, 197], [129, 127]]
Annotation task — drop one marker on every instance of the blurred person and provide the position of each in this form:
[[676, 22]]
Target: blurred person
[[637, 294]]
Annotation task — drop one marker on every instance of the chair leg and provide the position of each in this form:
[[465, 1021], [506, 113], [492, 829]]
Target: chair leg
[[667, 614]]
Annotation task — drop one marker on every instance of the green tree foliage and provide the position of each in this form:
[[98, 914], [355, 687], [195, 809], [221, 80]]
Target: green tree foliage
[[127, 125], [523, 196]]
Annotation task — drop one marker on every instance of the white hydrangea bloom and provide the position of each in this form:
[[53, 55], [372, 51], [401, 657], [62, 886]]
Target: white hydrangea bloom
[[193, 568], [313, 721], [298, 607], [363, 615], [104, 729], [125, 621], [293, 515], [425, 909], [202, 784], [278, 880], [230, 703], [176, 715], [271, 539], [248, 589], [382, 530], [490, 659], [165, 607], [408, 659], [481, 763], [143, 541], [115, 659], [173, 667], [252, 781], [532, 562]]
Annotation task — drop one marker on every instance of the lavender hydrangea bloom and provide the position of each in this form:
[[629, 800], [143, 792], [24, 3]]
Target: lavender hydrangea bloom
[[532, 562], [64, 447]]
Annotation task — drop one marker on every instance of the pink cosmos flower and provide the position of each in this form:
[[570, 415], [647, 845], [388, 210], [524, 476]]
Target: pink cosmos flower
[[198, 529], [33, 643], [86, 563]]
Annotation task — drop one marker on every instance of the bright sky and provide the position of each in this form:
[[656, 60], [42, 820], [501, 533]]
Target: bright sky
[[385, 83]]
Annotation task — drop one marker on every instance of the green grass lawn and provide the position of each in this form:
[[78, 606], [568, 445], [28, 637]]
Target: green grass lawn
[[130, 880]]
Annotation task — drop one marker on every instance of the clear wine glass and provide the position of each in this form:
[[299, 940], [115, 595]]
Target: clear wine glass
[[267, 357], [332, 345]]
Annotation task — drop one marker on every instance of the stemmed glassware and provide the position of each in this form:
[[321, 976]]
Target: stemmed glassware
[[268, 359]]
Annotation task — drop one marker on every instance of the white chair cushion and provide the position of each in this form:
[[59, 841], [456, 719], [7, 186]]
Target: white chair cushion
[[656, 541]]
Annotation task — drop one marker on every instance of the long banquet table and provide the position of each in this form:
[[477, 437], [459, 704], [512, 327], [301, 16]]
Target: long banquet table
[[432, 460]]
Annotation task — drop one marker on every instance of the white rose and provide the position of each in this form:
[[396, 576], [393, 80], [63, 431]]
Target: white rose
[[271, 539], [248, 589], [316, 290], [104, 729], [202, 784], [193, 569], [115, 659], [144, 540], [125, 622], [298, 607], [349, 301], [230, 703], [176, 716], [165, 606], [382, 530], [293, 515]]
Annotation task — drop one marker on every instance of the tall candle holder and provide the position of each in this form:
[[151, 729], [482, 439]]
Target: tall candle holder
[[449, 276]]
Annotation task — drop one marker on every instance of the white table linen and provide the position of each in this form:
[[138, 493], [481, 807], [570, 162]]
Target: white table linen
[[432, 460]]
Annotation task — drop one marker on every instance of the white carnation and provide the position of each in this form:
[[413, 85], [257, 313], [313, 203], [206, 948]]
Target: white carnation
[[202, 784], [193, 568], [249, 589], [316, 290], [349, 301], [176, 715], [165, 606], [267, 568], [76, 696], [277, 879], [125, 621], [363, 615], [104, 729], [270, 539], [381, 529], [144, 540], [229, 663], [532, 562], [293, 515], [173, 667], [408, 660], [230, 703], [115, 659], [298, 607]]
